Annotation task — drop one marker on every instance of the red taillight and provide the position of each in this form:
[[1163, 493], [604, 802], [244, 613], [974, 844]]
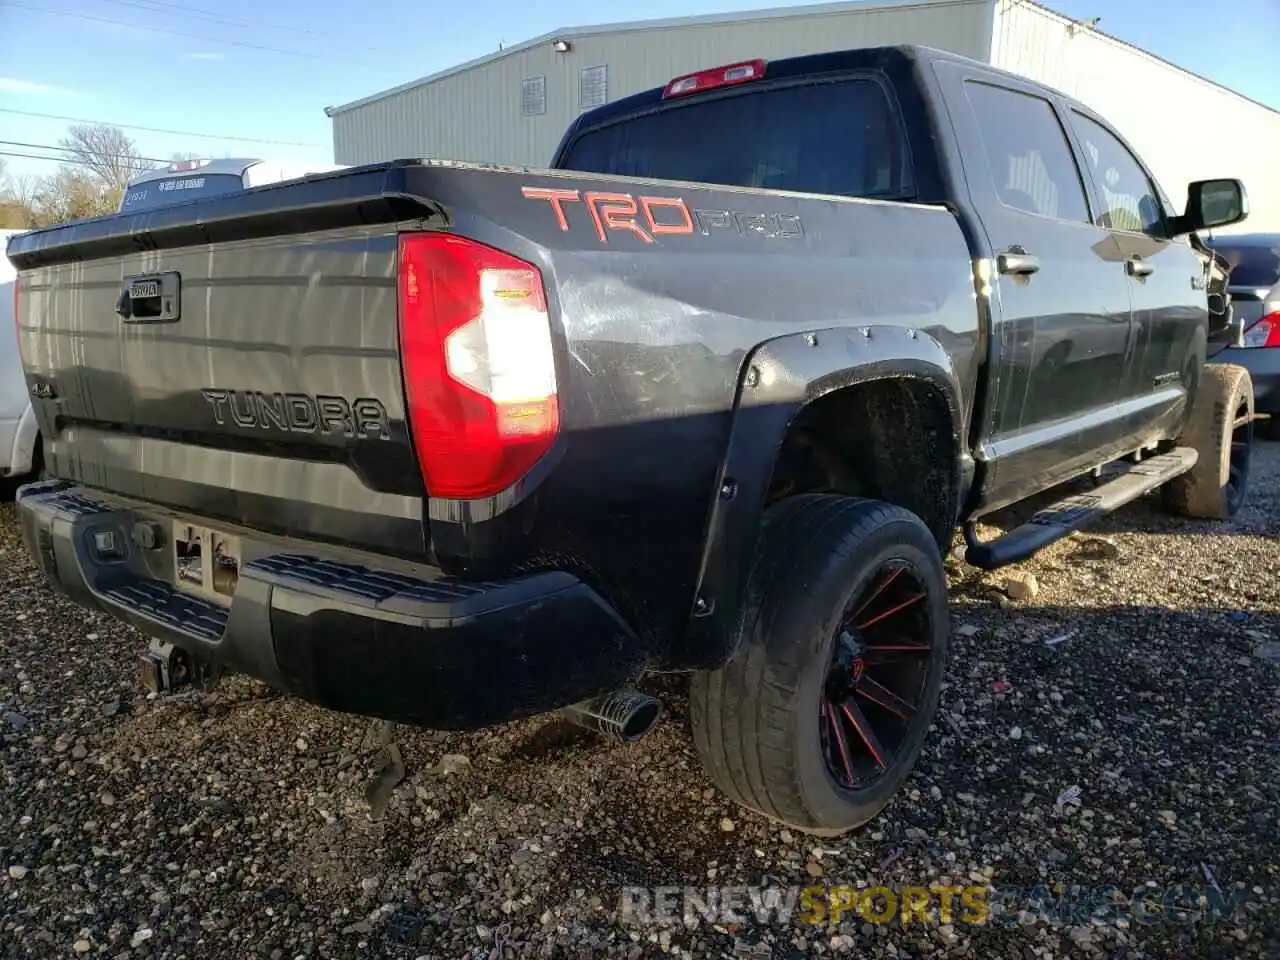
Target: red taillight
[[479, 368], [716, 77], [1264, 333]]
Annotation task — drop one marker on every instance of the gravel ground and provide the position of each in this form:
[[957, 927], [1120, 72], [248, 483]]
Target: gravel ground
[[1143, 672]]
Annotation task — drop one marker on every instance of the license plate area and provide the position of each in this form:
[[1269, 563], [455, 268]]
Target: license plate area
[[206, 562], [151, 299]]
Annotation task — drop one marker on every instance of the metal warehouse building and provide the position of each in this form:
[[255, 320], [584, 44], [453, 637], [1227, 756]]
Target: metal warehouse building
[[512, 106]]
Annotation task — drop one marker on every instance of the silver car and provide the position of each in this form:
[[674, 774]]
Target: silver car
[[1254, 285]]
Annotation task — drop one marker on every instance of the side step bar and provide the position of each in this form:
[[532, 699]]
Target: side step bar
[[1059, 520]]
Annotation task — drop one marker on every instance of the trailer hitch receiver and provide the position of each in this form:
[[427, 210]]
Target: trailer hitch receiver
[[165, 667]]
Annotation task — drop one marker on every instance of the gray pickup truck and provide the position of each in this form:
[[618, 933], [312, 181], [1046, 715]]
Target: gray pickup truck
[[453, 444]]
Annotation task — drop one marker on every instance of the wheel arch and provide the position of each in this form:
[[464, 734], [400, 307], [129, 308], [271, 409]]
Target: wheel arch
[[783, 382]]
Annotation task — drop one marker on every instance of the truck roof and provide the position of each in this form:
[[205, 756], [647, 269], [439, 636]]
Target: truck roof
[[898, 57], [858, 58]]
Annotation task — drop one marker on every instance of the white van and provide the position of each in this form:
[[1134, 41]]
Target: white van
[[199, 179], [18, 433]]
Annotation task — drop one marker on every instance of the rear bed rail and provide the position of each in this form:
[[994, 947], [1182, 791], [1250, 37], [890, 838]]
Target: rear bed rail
[[374, 194]]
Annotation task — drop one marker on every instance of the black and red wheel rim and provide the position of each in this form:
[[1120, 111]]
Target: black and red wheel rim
[[873, 693]]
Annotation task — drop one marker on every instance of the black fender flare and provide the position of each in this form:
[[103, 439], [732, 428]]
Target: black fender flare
[[779, 378]]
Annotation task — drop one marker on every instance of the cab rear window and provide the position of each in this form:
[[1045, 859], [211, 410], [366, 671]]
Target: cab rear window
[[179, 189], [839, 138]]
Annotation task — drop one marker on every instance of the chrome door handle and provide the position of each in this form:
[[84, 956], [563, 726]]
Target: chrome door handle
[[1137, 267], [1017, 263]]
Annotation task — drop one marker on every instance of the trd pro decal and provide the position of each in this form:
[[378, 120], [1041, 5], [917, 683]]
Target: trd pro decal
[[650, 217]]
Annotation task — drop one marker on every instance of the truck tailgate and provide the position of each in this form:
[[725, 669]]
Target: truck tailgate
[[253, 375]]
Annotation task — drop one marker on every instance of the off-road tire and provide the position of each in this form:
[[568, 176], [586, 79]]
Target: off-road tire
[[756, 720], [1207, 491]]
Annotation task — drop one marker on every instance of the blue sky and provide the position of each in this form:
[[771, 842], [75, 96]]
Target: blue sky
[[265, 69]]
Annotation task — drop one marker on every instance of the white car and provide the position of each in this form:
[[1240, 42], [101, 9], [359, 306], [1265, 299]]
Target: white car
[[198, 179], [19, 436]]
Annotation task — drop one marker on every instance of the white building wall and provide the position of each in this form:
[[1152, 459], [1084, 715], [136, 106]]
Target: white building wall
[[1184, 127], [474, 113]]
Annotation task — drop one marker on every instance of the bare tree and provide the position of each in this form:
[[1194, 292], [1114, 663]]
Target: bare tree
[[12, 217], [100, 161], [108, 152], [23, 189], [73, 193], [182, 155], [20, 201]]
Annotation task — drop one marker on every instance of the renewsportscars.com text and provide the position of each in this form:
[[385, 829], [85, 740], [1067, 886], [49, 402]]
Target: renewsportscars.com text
[[934, 904]]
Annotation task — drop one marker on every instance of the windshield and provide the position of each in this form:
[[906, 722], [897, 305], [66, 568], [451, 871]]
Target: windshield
[[178, 189], [1252, 264], [836, 138]]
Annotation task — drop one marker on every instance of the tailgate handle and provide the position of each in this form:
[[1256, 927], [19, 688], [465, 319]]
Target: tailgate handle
[[152, 298]]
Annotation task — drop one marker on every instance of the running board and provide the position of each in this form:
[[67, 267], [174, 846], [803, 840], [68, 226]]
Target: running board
[[1063, 518]]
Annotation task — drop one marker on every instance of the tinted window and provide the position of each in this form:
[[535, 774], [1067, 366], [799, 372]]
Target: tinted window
[[1028, 153], [179, 189], [1129, 199], [837, 138], [1252, 265]]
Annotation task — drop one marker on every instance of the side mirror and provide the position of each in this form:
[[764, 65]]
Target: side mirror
[[1213, 203]]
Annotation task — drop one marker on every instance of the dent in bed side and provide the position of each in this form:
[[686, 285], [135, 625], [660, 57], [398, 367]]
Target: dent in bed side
[[785, 377]]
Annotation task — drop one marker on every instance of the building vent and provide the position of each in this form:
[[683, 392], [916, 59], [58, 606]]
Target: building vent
[[533, 96], [593, 87]]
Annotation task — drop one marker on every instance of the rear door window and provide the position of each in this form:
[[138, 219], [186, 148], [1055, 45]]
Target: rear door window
[[179, 189], [1028, 153], [840, 138]]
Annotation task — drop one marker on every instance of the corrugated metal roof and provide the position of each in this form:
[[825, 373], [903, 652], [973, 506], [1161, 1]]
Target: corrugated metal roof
[[1092, 28], [747, 16], [575, 33]]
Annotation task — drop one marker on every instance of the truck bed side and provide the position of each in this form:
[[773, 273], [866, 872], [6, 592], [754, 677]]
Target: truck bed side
[[658, 334]]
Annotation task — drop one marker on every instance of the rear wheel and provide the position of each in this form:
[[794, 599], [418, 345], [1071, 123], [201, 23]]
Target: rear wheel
[[824, 709], [1221, 432]]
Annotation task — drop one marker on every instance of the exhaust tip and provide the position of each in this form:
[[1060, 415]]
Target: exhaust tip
[[642, 719], [625, 715]]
